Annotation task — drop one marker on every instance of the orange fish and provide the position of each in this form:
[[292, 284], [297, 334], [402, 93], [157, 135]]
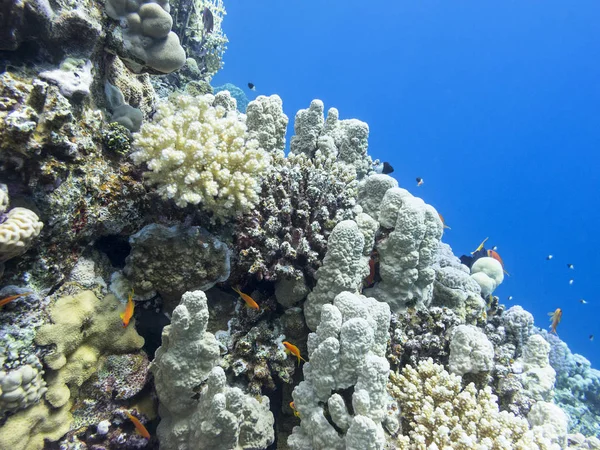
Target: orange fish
[[128, 313], [249, 300], [293, 406], [370, 279], [291, 348], [139, 426], [6, 300], [555, 319], [444, 222], [494, 254]]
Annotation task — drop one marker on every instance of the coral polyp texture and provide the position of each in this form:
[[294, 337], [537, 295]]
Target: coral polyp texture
[[440, 413], [18, 228], [199, 152]]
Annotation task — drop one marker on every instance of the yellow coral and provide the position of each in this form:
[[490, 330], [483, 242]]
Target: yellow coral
[[27, 429], [441, 414], [83, 328], [199, 152]]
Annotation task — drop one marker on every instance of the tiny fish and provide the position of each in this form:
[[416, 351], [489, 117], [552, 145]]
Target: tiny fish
[[292, 349], [251, 86], [571, 281], [549, 257], [444, 222], [555, 318], [139, 426], [420, 181], [293, 406], [495, 248], [591, 337], [480, 246], [249, 300], [6, 300], [583, 302], [128, 313], [510, 297], [208, 20], [570, 266]]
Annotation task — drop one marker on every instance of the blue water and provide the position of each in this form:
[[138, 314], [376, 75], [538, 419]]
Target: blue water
[[496, 105]]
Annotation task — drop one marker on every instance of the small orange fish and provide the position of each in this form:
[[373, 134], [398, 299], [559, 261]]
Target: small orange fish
[[6, 300], [494, 254], [444, 222], [249, 300], [292, 349], [128, 313], [370, 279], [555, 319], [293, 406], [480, 246], [139, 426]]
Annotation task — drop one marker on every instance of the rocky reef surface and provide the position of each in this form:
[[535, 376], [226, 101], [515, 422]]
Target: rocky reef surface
[[170, 278]]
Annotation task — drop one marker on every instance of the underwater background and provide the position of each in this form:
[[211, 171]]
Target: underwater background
[[495, 105], [299, 225]]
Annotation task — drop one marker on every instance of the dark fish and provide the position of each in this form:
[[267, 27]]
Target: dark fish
[[251, 86], [420, 181], [591, 337], [387, 168], [384, 167], [570, 266], [549, 257], [208, 20]]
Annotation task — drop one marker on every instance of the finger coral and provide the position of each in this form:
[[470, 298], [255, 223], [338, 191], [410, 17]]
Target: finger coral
[[438, 412], [199, 152]]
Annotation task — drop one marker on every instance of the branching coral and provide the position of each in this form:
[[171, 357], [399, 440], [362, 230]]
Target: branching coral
[[198, 151], [301, 202], [438, 413]]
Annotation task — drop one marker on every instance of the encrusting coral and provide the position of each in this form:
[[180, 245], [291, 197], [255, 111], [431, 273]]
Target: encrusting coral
[[199, 152]]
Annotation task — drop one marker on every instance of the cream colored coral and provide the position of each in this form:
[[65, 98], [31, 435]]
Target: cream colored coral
[[201, 153], [20, 227], [442, 415]]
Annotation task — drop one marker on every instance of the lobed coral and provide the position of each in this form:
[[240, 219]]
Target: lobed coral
[[197, 408], [199, 152], [342, 401], [406, 250]]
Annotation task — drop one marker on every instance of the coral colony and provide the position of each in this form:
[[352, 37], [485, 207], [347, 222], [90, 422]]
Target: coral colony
[[171, 279]]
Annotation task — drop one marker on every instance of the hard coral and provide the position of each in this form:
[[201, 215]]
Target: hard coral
[[438, 412], [301, 202], [199, 152]]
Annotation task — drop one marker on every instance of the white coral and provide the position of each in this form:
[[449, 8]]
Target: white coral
[[18, 230], [200, 152], [441, 414]]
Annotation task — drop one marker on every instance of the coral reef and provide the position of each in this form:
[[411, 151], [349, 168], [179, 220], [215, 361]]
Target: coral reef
[[347, 372], [407, 251], [438, 412], [198, 151], [145, 39], [197, 407], [201, 34], [577, 388], [344, 268], [173, 260], [18, 228], [83, 328]]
